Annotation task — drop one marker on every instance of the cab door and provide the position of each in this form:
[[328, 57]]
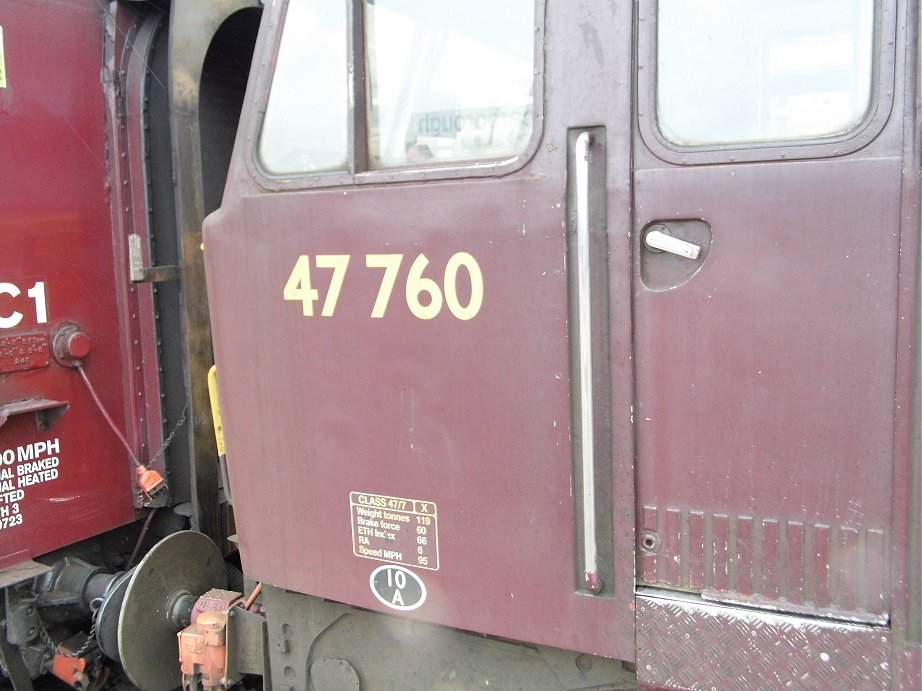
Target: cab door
[[769, 172], [420, 290]]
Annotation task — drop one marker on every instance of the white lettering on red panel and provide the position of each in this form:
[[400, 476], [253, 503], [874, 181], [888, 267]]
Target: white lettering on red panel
[[22, 468], [16, 308]]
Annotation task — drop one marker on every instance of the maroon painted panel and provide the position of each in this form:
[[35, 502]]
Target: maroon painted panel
[[56, 241], [766, 382], [472, 416], [774, 388]]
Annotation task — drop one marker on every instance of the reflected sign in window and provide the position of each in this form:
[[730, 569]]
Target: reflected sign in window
[[448, 81]]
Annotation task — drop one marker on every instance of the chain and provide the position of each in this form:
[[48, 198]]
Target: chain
[[91, 638], [169, 439], [46, 638], [51, 648]]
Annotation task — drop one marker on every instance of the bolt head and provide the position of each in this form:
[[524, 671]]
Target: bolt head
[[71, 345], [78, 345]]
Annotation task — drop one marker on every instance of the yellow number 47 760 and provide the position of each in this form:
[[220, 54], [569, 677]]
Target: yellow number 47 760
[[424, 297]]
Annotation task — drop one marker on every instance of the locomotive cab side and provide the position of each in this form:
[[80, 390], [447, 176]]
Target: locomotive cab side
[[558, 345], [588, 326]]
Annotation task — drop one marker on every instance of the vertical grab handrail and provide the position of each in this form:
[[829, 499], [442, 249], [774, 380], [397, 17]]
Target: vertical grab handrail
[[583, 290]]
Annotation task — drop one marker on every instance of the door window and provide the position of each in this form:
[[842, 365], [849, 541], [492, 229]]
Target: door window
[[731, 72]]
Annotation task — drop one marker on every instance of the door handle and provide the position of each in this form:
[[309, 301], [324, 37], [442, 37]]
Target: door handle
[[584, 304], [658, 239]]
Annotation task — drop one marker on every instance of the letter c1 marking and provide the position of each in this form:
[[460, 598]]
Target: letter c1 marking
[[13, 319]]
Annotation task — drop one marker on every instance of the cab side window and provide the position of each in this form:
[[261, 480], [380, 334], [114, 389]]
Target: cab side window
[[413, 84], [305, 124]]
